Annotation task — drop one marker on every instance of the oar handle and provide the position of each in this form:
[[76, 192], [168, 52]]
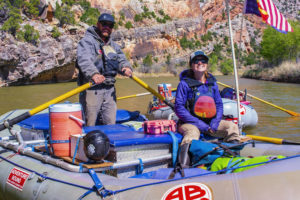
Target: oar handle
[[8, 123], [147, 87]]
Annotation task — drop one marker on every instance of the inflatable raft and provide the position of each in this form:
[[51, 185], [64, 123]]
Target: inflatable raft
[[248, 114], [132, 167]]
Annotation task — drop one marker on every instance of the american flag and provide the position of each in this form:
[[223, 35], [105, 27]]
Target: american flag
[[267, 10]]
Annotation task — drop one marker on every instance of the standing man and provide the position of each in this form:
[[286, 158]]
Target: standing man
[[99, 59]]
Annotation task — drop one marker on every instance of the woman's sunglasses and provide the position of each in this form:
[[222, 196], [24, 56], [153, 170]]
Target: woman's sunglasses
[[107, 24], [197, 60]]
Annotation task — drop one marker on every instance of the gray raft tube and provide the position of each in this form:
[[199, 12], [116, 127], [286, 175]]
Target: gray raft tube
[[15, 146]]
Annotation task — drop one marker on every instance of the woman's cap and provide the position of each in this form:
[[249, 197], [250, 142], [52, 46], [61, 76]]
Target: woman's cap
[[198, 53]]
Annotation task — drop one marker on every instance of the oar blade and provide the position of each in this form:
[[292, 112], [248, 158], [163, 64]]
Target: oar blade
[[293, 113]]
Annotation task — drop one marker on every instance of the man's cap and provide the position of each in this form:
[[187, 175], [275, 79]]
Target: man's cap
[[106, 17], [198, 53]]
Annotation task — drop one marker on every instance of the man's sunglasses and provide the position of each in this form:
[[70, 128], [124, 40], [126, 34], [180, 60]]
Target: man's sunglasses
[[197, 60], [107, 24]]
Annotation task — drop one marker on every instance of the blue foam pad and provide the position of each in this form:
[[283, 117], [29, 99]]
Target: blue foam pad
[[115, 128], [120, 135], [39, 122]]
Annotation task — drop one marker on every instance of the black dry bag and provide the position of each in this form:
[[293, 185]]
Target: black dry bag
[[96, 145]]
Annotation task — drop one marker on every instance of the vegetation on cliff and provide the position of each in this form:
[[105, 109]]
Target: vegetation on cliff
[[156, 38], [280, 53]]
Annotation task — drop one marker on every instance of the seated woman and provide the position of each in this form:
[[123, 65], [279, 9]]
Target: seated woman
[[199, 106]]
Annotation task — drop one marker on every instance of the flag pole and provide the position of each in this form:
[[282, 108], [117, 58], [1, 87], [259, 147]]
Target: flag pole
[[234, 67]]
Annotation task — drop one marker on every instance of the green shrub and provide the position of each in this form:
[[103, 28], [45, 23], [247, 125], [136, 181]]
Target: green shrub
[[84, 4], [250, 59], [31, 8], [213, 62], [64, 14], [122, 16], [168, 59], [227, 67], [207, 37], [12, 24], [153, 14], [16, 3], [55, 32], [226, 40], [90, 16], [146, 9], [138, 18], [217, 49], [277, 47], [30, 34], [187, 44], [161, 12], [128, 25], [148, 60], [68, 2]]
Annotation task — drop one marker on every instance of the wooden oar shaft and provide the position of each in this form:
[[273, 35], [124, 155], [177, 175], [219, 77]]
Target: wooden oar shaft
[[44, 106], [272, 140], [147, 87], [134, 95], [266, 139], [140, 94], [271, 104], [60, 98]]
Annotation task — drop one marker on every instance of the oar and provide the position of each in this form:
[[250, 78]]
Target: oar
[[134, 95], [25, 115], [272, 140], [140, 94], [147, 87], [285, 110]]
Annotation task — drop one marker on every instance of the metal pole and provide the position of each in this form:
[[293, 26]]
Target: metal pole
[[234, 67]]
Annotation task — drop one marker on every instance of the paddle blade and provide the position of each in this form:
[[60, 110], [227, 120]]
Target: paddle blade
[[293, 113]]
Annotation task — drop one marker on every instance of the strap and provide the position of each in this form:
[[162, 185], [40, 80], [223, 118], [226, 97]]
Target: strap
[[174, 147], [59, 141], [98, 184], [231, 164], [76, 148], [227, 149], [140, 167], [103, 57], [177, 168]]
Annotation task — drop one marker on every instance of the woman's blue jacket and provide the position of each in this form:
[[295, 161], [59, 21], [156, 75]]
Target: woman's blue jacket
[[185, 93]]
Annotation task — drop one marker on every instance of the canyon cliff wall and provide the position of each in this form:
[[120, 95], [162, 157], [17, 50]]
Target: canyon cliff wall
[[52, 59]]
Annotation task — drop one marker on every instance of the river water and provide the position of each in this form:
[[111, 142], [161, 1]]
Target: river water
[[272, 122]]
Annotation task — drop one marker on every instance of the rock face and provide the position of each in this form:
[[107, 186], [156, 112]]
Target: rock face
[[24, 63], [52, 60]]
